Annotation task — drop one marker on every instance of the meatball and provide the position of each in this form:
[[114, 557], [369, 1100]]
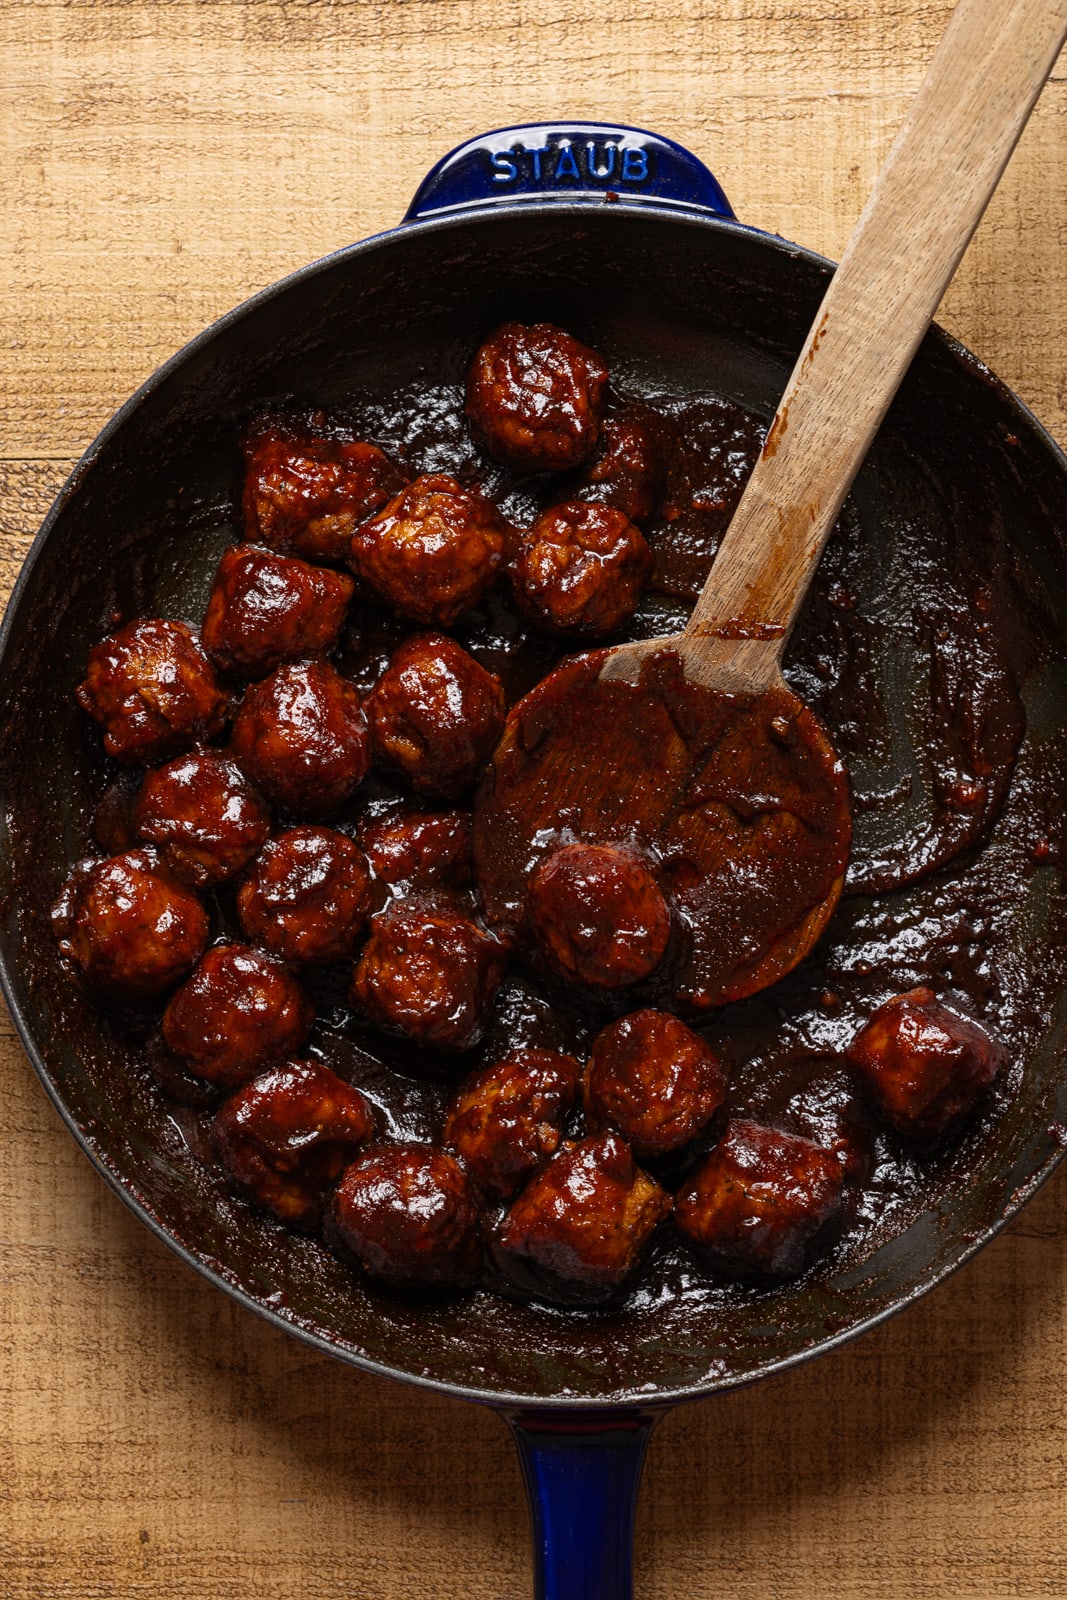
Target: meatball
[[428, 850], [430, 975], [265, 609], [535, 396], [761, 1200], [580, 1226], [507, 1119], [409, 1214], [435, 715], [433, 551], [239, 1012], [129, 930], [598, 915], [308, 896], [301, 737], [288, 1134], [153, 691], [627, 471], [654, 1080], [581, 569], [307, 493], [924, 1066], [202, 816]]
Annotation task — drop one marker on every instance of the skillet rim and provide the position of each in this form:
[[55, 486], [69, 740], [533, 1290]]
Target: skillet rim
[[501, 1399]]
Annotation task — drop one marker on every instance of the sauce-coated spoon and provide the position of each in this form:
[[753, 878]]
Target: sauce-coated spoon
[[692, 746]]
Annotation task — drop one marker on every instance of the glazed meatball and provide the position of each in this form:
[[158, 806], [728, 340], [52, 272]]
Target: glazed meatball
[[580, 1226], [288, 1134], [265, 609], [435, 715], [627, 471], [429, 850], [153, 691], [409, 1214], [307, 898], [301, 737], [239, 1012], [507, 1119], [202, 816], [581, 570], [128, 928], [598, 915], [654, 1080], [761, 1201], [535, 396], [433, 551], [924, 1066], [307, 493], [430, 975]]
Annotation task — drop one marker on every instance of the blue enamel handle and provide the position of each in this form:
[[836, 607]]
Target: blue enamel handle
[[582, 1474], [585, 161]]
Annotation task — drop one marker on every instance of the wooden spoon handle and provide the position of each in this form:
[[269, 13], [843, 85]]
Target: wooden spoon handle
[[927, 201]]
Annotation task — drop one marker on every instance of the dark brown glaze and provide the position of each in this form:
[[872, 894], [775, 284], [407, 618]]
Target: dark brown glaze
[[408, 1214], [202, 816], [628, 470], [924, 1067], [919, 677], [301, 737], [761, 1200], [435, 715], [424, 850], [308, 897], [709, 448], [654, 1080], [429, 974], [580, 1227], [535, 396], [113, 828], [152, 690], [742, 802], [507, 1119], [286, 1136], [580, 570], [127, 928], [433, 551], [598, 916], [239, 1012], [923, 570], [265, 608], [306, 491], [815, 1097]]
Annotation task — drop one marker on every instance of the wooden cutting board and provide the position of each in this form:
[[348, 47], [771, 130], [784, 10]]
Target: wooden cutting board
[[158, 163]]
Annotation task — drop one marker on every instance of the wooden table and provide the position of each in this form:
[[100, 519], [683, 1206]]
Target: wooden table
[[158, 163]]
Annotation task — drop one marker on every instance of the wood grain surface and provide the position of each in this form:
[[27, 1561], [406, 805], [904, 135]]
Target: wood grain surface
[[160, 160]]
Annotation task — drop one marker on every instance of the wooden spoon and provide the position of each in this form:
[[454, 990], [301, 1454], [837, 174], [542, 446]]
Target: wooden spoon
[[691, 747]]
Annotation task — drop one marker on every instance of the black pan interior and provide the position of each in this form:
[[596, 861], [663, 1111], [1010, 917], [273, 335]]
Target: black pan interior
[[678, 307]]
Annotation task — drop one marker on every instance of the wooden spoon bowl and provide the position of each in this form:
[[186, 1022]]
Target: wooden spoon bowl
[[740, 801]]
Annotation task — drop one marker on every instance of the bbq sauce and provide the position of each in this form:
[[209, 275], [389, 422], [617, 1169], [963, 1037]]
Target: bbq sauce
[[914, 660]]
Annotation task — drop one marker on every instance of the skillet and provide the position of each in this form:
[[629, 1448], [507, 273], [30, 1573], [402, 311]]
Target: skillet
[[627, 240]]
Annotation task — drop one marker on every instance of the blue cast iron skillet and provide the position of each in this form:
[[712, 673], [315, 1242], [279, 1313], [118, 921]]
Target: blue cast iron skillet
[[627, 239]]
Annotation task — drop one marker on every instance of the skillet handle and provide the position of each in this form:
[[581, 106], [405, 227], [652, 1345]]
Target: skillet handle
[[571, 161], [582, 1473]]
